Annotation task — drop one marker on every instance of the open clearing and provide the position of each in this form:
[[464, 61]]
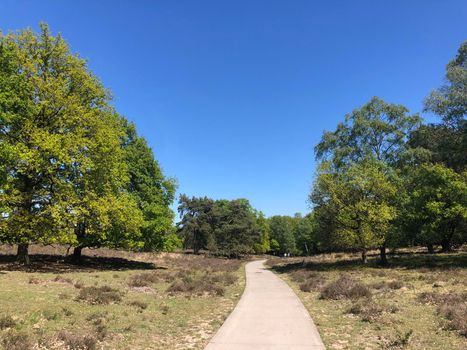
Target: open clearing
[[115, 301], [418, 302]]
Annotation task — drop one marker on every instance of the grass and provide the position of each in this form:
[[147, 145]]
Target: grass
[[419, 301], [115, 300]]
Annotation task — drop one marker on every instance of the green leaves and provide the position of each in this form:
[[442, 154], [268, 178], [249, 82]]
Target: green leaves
[[450, 101], [377, 131], [72, 170], [358, 182], [223, 227], [438, 204], [358, 198]]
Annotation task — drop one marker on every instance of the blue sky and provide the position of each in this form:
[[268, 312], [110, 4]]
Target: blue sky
[[233, 95]]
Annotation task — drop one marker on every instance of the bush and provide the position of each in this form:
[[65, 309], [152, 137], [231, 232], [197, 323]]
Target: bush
[[143, 279], [77, 342], [457, 315], [451, 306], [345, 287], [314, 284], [395, 285], [139, 304], [7, 322], [99, 295], [79, 284], [438, 298], [368, 311], [387, 285], [195, 284], [61, 279], [16, 341], [34, 280]]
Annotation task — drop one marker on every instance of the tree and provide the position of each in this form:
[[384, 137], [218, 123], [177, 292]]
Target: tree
[[196, 222], [64, 174], [378, 130], [450, 101], [359, 198], [447, 141], [282, 231], [305, 238], [438, 205], [105, 213], [263, 245], [376, 133], [50, 108], [235, 230], [442, 143], [223, 227], [153, 192]]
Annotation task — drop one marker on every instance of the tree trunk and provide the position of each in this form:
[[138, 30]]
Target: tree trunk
[[446, 246], [364, 257], [431, 249], [382, 254], [446, 243], [77, 253], [22, 255]]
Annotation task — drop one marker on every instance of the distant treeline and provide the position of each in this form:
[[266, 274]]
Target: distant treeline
[[384, 180]]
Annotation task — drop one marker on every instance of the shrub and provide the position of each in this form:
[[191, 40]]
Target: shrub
[[77, 342], [79, 284], [165, 309], [313, 284], [63, 296], [345, 287], [50, 315], [229, 278], [7, 322], [401, 340], [61, 279], [142, 279], [17, 341], [34, 280], [67, 311], [438, 298], [99, 295], [457, 315], [359, 290], [451, 306], [387, 285], [96, 316], [370, 311], [139, 304], [395, 285], [198, 285]]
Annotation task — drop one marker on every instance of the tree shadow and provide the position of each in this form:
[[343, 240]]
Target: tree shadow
[[409, 261], [63, 264]]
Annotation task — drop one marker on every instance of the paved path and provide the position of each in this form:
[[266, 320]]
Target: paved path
[[269, 316]]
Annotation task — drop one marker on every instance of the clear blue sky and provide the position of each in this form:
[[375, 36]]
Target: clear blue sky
[[233, 95]]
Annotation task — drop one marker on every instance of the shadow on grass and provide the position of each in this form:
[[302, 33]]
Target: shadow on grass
[[405, 261], [62, 264]]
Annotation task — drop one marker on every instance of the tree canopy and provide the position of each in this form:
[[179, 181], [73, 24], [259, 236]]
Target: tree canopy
[[67, 157]]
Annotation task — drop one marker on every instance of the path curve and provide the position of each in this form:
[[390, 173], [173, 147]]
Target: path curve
[[268, 316]]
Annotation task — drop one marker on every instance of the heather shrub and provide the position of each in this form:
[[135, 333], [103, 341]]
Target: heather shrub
[[345, 287], [99, 295]]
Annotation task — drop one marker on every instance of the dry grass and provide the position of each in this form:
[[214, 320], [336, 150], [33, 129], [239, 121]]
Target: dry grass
[[116, 300], [417, 302]]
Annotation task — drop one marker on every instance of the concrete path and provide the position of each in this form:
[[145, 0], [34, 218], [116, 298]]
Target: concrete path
[[269, 316]]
